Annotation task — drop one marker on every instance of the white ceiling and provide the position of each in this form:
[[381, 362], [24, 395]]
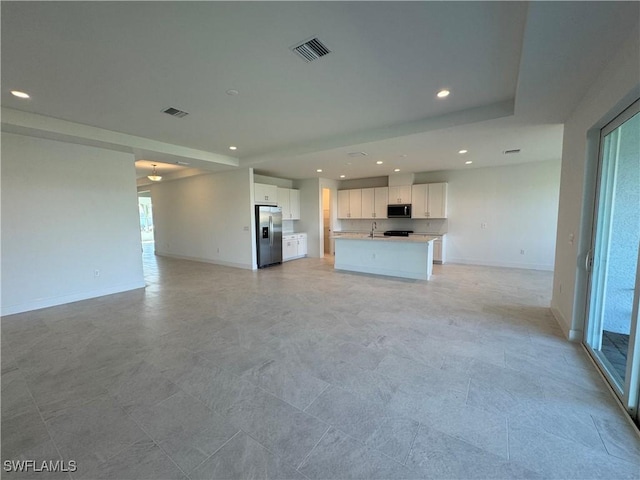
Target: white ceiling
[[515, 70]]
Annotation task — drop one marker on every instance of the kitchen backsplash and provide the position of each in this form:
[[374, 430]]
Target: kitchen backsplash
[[435, 226]]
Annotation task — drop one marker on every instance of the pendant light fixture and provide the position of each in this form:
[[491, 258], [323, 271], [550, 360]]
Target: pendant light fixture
[[154, 177]]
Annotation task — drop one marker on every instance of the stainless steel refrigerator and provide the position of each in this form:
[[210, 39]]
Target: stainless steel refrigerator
[[268, 235]]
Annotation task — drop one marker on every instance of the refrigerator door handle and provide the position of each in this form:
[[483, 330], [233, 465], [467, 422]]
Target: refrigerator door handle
[[270, 230]]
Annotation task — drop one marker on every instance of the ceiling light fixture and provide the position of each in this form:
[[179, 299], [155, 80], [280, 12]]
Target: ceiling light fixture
[[379, 162], [342, 176], [462, 152], [154, 177], [468, 162], [443, 93], [396, 169], [19, 94], [233, 147], [319, 170], [232, 92]]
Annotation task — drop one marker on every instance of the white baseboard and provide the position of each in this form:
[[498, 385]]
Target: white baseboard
[[572, 334], [485, 263], [62, 299], [244, 266]]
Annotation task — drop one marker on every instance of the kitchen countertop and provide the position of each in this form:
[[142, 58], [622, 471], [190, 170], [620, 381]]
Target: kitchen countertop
[[414, 238]]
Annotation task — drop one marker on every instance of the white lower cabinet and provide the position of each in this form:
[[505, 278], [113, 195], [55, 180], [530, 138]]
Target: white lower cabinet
[[294, 245], [439, 250]]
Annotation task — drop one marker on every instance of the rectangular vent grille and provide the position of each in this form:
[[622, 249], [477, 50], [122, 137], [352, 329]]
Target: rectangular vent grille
[[174, 112], [311, 50], [507, 152]]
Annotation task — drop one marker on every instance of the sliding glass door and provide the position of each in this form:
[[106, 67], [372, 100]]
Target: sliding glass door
[[613, 262]]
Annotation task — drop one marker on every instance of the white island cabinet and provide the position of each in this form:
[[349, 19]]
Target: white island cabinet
[[406, 257]]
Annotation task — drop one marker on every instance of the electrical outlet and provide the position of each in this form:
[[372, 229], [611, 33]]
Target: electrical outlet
[[483, 225], [217, 250], [245, 228], [96, 273], [521, 252]]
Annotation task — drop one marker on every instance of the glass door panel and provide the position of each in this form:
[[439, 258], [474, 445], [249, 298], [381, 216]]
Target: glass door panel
[[613, 287]]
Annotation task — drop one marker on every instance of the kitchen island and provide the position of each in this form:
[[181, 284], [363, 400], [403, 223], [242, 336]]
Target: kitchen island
[[406, 257]]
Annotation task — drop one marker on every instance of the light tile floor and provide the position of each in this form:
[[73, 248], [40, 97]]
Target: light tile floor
[[299, 371]]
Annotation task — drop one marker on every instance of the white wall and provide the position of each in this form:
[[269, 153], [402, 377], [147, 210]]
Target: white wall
[[311, 214], [518, 204], [67, 210], [616, 88], [207, 218]]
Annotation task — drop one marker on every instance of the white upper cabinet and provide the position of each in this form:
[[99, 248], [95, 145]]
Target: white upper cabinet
[[400, 194], [284, 203], [294, 200], [368, 202], [350, 203], [355, 203], [289, 201], [429, 200], [343, 204], [265, 194], [382, 200], [374, 202], [419, 201], [437, 200]]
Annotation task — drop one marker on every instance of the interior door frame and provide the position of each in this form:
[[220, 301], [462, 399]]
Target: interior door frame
[[628, 395]]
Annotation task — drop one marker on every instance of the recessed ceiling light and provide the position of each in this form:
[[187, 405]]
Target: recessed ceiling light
[[19, 94], [232, 92], [232, 147], [183, 163], [396, 169], [443, 93], [342, 176], [468, 162], [404, 155], [379, 162], [319, 170], [462, 152]]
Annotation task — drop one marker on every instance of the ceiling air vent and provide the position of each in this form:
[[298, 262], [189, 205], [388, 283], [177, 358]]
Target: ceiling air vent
[[174, 112], [508, 152], [311, 50]]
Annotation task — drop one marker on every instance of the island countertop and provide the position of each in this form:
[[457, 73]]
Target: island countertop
[[413, 238]]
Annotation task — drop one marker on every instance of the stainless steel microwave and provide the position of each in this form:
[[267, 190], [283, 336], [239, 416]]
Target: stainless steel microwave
[[399, 211]]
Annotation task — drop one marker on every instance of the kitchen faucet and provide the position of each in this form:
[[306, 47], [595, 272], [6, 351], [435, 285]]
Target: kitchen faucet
[[374, 225]]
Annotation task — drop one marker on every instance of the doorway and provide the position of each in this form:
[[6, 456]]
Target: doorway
[[326, 222], [145, 210], [613, 261]]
